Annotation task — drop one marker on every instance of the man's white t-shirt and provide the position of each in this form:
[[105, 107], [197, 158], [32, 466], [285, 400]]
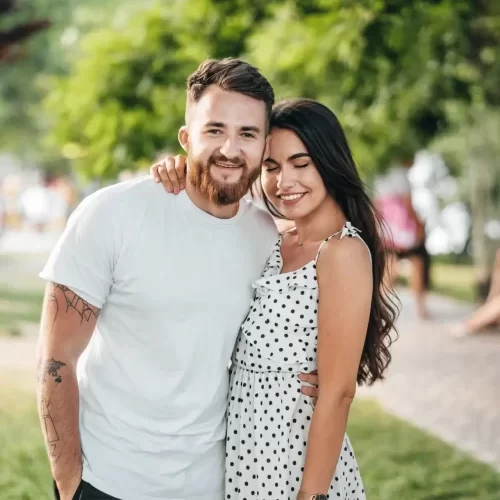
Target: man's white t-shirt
[[173, 284]]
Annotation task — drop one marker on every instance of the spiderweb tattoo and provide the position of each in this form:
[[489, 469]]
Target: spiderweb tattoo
[[75, 302]]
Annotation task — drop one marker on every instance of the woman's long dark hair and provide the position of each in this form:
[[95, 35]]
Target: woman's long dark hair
[[322, 135]]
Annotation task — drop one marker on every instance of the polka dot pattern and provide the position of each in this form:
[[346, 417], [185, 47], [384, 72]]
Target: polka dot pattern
[[268, 417]]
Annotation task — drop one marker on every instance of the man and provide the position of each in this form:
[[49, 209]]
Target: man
[[152, 289]]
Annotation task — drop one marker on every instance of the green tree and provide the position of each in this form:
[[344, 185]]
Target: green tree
[[124, 100], [18, 64], [25, 82], [12, 37], [472, 147], [388, 68]]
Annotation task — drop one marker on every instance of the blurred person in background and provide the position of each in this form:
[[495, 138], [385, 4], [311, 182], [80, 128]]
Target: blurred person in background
[[65, 199], [3, 212], [11, 190], [144, 299], [44, 205], [406, 236], [319, 304], [488, 314], [35, 204]]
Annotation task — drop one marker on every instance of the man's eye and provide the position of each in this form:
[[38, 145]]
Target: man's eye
[[214, 131], [248, 135]]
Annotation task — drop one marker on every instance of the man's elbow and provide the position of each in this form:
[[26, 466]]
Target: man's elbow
[[61, 349]]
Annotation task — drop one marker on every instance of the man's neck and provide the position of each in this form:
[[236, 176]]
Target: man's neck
[[219, 211]]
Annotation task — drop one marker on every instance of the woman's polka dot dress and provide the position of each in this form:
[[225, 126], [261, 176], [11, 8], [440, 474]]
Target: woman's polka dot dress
[[268, 417]]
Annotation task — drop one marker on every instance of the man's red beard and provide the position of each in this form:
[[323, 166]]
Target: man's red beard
[[217, 192]]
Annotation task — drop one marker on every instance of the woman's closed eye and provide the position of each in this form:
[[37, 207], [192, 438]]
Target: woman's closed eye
[[302, 166], [270, 166]]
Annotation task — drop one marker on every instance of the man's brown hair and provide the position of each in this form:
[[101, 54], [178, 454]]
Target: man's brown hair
[[232, 75]]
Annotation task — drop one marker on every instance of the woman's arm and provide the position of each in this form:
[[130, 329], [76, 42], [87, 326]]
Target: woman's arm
[[345, 291]]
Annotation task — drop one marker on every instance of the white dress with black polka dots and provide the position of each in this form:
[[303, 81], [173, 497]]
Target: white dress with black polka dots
[[268, 417]]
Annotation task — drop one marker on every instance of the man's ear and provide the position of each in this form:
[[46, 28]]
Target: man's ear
[[183, 137]]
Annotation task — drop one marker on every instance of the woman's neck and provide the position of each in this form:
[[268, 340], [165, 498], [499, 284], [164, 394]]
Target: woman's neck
[[318, 225]]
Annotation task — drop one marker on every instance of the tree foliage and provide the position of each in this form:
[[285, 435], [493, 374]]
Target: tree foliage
[[13, 36], [25, 81], [125, 98], [391, 69], [388, 68]]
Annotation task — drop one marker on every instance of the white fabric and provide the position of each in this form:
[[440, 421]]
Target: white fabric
[[393, 182], [174, 285]]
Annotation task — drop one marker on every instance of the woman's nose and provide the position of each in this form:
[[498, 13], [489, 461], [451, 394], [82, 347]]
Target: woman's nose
[[286, 180]]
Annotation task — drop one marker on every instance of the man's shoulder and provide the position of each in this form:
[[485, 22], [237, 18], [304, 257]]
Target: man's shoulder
[[123, 194], [141, 186]]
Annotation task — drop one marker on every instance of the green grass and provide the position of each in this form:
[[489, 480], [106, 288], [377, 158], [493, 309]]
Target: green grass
[[18, 307], [24, 472], [453, 280], [397, 461], [400, 462]]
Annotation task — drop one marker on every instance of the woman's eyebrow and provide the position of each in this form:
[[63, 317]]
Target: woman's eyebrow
[[298, 155], [270, 160]]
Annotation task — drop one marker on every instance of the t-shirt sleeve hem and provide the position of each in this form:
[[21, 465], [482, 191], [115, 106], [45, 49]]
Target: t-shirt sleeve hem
[[88, 297]]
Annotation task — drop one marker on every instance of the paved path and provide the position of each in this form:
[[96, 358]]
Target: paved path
[[448, 386]]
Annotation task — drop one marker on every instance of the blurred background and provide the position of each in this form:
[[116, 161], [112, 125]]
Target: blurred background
[[93, 91]]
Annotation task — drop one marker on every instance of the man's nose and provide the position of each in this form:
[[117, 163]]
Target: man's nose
[[230, 148]]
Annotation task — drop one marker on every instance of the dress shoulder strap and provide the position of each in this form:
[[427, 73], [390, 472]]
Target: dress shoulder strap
[[348, 230]]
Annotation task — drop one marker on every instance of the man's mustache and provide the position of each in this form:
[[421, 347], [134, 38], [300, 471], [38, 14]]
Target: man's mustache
[[223, 159]]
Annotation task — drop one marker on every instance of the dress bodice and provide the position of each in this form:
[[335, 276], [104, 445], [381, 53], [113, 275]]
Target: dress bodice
[[280, 331]]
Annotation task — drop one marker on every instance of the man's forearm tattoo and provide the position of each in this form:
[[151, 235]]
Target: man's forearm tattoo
[[73, 301], [51, 368]]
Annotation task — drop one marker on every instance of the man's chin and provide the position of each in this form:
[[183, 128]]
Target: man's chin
[[227, 194], [227, 177]]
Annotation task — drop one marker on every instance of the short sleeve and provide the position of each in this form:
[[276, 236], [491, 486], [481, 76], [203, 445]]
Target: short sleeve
[[83, 258]]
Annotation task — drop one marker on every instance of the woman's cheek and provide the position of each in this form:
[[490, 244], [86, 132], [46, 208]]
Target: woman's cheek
[[269, 185]]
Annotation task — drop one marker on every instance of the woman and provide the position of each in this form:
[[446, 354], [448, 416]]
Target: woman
[[320, 304]]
